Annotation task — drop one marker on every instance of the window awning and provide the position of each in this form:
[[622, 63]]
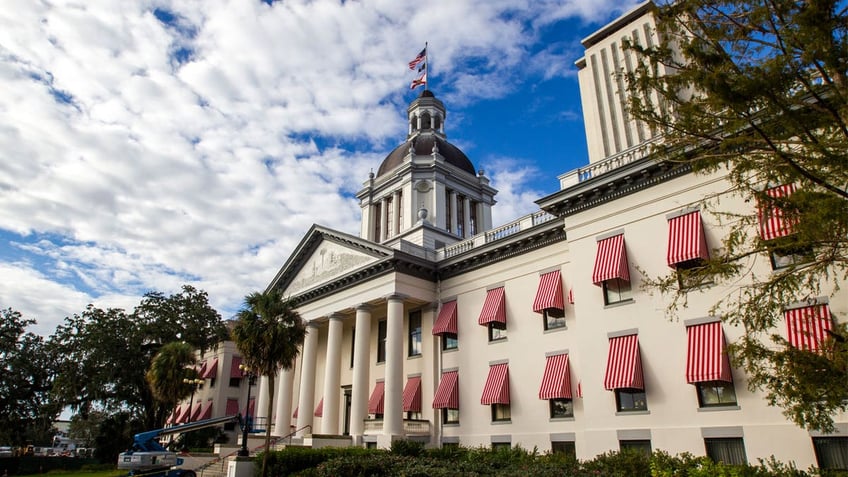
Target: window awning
[[201, 370], [232, 407], [494, 308], [319, 409], [210, 369], [496, 390], [807, 327], [549, 295], [185, 412], [624, 364], [556, 382], [686, 239], [446, 321], [206, 413], [375, 403], [447, 394], [412, 395], [773, 224], [611, 260], [235, 371], [175, 416], [706, 359], [195, 413]]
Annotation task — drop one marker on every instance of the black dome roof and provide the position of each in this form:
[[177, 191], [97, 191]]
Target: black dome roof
[[424, 146]]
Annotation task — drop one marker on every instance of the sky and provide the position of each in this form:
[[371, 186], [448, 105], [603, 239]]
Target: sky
[[147, 144]]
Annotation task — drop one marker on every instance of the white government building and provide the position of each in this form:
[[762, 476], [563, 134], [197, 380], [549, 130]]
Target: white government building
[[432, 325]]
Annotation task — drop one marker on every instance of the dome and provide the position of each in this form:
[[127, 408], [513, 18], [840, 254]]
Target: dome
[[423, 147]]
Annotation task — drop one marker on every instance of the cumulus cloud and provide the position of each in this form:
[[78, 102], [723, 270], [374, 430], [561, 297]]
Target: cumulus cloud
[[147, 144]]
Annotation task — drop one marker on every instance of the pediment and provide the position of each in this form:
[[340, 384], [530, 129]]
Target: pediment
[[322, 257]]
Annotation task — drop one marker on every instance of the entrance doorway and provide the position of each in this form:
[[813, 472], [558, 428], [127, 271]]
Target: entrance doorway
[[347, 400]]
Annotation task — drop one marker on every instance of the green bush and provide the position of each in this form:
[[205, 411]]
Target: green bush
[[407, 448], [295, 459]]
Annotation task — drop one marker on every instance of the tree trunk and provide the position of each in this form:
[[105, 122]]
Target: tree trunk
[[268, 425]]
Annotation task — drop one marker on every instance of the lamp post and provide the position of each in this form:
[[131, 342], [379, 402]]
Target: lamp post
[[194, 383], [243, 452]]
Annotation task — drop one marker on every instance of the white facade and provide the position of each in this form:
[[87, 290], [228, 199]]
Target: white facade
[[363, 298]]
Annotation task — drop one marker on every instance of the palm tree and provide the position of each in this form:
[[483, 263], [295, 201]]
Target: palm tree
[[172, 364], [268, 332]]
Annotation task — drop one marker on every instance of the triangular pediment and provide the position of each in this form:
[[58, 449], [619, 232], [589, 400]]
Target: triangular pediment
[[324, 255]]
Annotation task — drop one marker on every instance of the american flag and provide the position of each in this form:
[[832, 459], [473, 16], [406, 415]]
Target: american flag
[[418, 59]]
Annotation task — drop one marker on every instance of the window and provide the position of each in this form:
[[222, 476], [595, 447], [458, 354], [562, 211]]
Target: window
[[450, 445], [352, 345], [497, 331], [450, 416], [448, 216], [415, 333], [413, 415], [628, 399], [399, 223], [788, 256], [728, 450], [381, 341], [235, 382], [564, 447], [638, 445], [500, 412], [716, 393], [475, 229], [212, 382], [552, 322], [831, 452], [561, 407], [449, 341], [370, 445], [460, 215], [687, 273], [501, 446], [616, 290], [390, 216]]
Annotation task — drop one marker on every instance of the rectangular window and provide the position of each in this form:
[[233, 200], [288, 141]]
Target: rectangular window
[[561, 407], [352, 345], [552, 322], [501, 446], [716, 393], [475, 229], [450, 416], [390, 216], [687, 274], [460, 215], [783, 257], [831, 452], [413, 415], [448, 216], [500, 412], [381, 341], [235, 382], [616, 290], [376, 222], [564, 447], [399, 223], [212, 382], [449, 341], [497, 331], [370, 445], [627, 400], [727, 450], [450, 445], [415, 333], [637, 445]]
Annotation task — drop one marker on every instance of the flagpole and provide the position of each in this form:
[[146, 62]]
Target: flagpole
[[426, 66]]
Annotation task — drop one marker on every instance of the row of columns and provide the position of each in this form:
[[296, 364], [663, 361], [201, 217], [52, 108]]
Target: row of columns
[[393, 386], [391, 228], [465, 220]]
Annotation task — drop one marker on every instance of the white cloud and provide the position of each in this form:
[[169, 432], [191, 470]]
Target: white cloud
[[144, 170]]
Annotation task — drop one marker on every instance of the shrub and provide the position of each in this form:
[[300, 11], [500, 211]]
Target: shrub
[[407, 448]]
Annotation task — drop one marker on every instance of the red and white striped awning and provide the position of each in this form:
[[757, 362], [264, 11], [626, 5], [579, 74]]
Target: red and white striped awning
[[235, 371], [195, 413], [549, 295], [412, 394], [496, 390], [686, 239], [611, 260], [773, 224], [206, 413], [556, 382], [446, 321], [624, 364], [494, 308], [210, 369], [319, 409], [807, 326], [175, 416], [580, 389], [375, 403], [706, 358], [447, 394], [232, 407]]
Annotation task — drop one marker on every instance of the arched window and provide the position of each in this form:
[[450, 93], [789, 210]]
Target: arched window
[[437, 122], [413, 123], [425, 121]]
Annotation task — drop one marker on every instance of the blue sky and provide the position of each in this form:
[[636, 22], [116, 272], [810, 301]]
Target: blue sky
[[145, 144]]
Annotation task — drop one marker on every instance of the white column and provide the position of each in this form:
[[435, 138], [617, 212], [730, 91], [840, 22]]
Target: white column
[[261, 410], [361, 368], [285, 384], [393, 404], [307, 380], [383, 232], [397, 226], [452, 206], [332, 365]]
